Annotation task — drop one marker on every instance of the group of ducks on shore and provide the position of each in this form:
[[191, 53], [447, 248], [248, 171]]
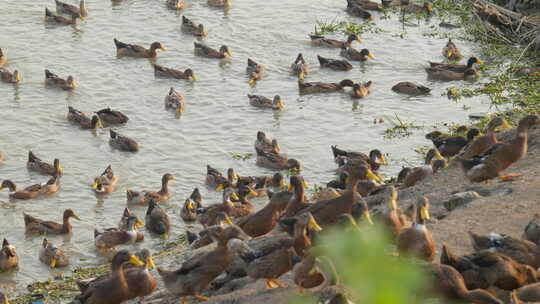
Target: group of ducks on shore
[[276, 239]]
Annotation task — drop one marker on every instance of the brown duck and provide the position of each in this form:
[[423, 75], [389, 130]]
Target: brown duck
[[485, 268], [8, 257], [418, 174], [298, 227], [52, 256], [521, 251], [115, 289], [417, 240], [143, 197], [162, 71], [111, 238], [480, 144], [35, 225], [157, 221], [29, 192], [132, 50], [122, 143], [82, 120], [326, 212], [500, 156], [298, 185], [196, 273], [448, 283], [532, 230], [52, 80], [35, 164]]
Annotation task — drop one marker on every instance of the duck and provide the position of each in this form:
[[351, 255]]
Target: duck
[[306, 275], [208, 215], [361, 90], [323, 41], [447, 75], [357, 10], [501, 156], [205, 51], [109, 175], [359, 215], [191, 27], [352, 54], [201, 239], [35, 164], [410, 88], [111, 117], [52, 80], [522, 251], [265, 220], [448, 283], [53, 18], [189, 211], [123, 223], [449, 146], [83, 121], [196, 273], [65, 8], [102, 186], [299, 66], [264, 143], [142, 197], [10, 77], [52, 256], [122, 143], [132, 50], [243, 207], [459, 68], [532, 230], [277, 161], [408, 7], [8, 256], [254, 70], [35, 225], [326, 212], [480, 144], [298, 202], [27, 193], [140, 281], [214, 178], [323, 87], [273, 262], [259, 101], [487, 268], [3, 58], [393, 218], [175, 101], [298, 227], [51, 186], [374, 160], [334, 64], [127, 234], [451, 51], [262, 183], [176, 4], [157, 221], [417, 239], [220, 3], [162, 71], [115, 288]]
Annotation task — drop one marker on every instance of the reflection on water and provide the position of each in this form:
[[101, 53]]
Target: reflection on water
[[218, 118]]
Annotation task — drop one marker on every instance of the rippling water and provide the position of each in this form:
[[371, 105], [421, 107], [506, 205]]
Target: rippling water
[[217, 120]]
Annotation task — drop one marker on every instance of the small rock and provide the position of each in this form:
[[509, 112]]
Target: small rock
[[460, 199]]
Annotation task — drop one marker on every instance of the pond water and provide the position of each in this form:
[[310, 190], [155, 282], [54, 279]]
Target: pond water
[[217, 119]]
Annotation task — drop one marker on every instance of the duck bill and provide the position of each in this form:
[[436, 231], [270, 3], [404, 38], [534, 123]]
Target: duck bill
[[371, 175], [74, 84], [505, 125], [162, 48], [164, 236], [228, 221], [392, 204], [304, 184], [449, 53], [95, 185], [359, 40], [382, 160], [189, 205], [280, 105], [252, 192], [18, 77], [193, 77], [179, 5], [220, 187], [290, 188], [367, 217], [282, 183], [135, 261], [371, 56], [139, 224], [53, 263], [179, 110], [76, 217], [150, 263], [252, 81], [438, 156], [99, 124], [313, 225], [234, 196], [429, 9], [424, 213], [301, 75]]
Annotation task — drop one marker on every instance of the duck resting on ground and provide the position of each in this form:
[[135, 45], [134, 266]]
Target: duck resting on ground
[[480, 144], [431, 166], [417, 240], [500, 156]]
